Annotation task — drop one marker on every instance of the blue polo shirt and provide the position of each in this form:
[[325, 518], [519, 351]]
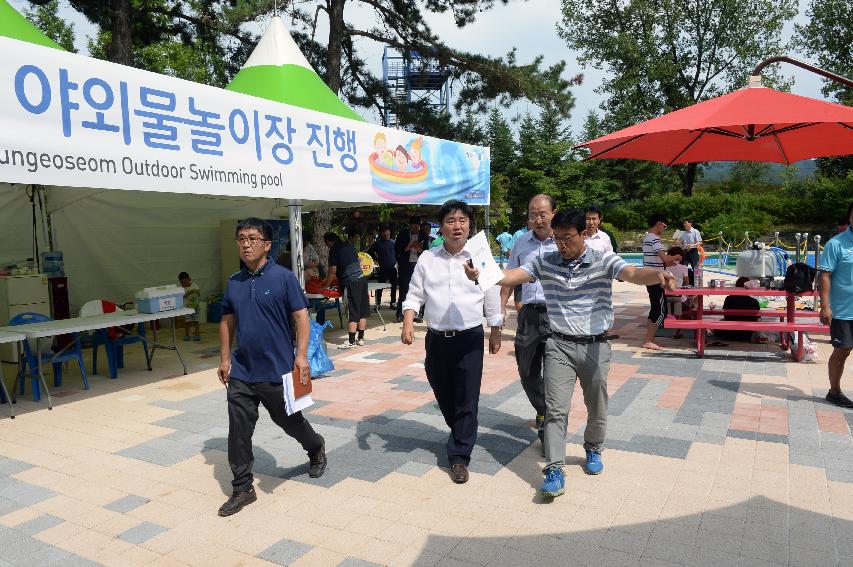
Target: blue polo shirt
[[263, 302], [837, 258]]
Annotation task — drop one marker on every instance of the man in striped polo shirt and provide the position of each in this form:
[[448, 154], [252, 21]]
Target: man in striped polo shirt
[[577, 282], [655, 258]]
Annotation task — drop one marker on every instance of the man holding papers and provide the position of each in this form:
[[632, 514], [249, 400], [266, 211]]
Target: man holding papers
[[577, 282], [259, 302], [454, 340]]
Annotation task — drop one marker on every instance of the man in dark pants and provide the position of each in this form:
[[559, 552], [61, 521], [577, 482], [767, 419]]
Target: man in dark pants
[[407, 246], [533, 329], [383, 252], [691, 240], [454, 340], [259, 302], [345, 265]]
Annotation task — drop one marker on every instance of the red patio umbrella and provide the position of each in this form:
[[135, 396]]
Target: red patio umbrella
[[751, 124]]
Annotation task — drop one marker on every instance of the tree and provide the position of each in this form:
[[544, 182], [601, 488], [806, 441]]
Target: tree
[[662, 55], [46, 18], [828, 38]]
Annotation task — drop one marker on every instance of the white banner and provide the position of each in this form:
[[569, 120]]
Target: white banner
[[74, 121]]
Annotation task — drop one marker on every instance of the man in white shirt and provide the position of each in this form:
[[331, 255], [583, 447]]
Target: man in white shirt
[[596, 239], [454, 340], [533, 329], [691, 239]]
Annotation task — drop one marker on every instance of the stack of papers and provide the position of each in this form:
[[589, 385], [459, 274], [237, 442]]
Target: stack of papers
[[292, 404], [481, 254]]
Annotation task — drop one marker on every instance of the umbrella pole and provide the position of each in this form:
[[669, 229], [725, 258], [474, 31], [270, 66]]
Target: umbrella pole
[[802, 65]]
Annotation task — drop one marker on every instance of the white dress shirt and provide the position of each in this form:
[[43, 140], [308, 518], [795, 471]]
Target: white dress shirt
[[527, 247], [599, 241], [452, 301]]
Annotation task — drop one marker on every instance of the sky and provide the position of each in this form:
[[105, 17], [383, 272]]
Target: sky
[[530, 26]]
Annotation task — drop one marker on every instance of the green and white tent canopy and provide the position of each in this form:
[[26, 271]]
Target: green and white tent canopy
[[16, 26], [277, 70]]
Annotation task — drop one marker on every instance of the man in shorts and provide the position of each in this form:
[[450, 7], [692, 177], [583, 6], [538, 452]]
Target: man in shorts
[[836, 306], [345, 265]]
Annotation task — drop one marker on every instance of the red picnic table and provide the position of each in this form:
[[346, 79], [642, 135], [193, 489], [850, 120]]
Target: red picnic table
[[788, 318]]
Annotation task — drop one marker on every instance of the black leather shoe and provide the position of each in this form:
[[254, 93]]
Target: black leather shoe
[[317, 462], [459, 474], [839, 400], [237, 502]]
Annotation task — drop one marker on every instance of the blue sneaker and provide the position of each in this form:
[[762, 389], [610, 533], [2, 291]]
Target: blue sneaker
[[555, 483], [593, 463]]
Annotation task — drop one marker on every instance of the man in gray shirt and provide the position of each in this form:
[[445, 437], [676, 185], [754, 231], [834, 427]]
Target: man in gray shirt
[[578, 294]]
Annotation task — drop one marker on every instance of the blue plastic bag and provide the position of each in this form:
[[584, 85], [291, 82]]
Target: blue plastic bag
[[318, 358]]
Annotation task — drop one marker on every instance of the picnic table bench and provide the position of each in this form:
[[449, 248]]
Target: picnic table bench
[[790, 319]]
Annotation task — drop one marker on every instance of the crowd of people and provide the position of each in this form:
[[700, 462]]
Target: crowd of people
[[561, 271]]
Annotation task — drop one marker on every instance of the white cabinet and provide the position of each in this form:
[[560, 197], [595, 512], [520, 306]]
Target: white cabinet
[[21, 294]]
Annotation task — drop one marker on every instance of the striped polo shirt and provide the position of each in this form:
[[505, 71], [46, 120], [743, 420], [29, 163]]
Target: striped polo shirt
[[651, 246], [579, 292]]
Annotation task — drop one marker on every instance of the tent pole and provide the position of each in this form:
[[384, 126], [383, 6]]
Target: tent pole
[[296, 241]]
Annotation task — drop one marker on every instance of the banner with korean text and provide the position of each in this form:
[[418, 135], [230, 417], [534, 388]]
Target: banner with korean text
[[74, 121]]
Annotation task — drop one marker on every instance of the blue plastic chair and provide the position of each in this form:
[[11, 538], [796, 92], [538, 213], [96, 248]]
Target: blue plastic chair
[[30, 363], [115, 348]]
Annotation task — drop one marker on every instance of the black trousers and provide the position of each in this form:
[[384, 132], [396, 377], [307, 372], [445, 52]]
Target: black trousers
[[691, 260], [407, 269], [388, 275], [533, 330], [243, 401], [454, 368]]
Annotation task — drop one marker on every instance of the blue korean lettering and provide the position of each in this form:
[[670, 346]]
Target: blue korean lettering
[[238, 117], [20, 89], [161, 134], [314, 139], [65, 88], [344, 141], [89, 88], [282, 146], [205, 131]]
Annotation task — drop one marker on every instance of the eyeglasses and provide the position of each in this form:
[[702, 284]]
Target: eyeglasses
[[565, 239], [253, 240], [538, 216]]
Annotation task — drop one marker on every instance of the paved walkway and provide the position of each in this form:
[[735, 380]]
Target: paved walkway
[[730, 460]]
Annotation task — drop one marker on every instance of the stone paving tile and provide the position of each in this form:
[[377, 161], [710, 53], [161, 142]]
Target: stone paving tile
[[141, 533], [126, 503], [36, 525], [355, 562], [284, 552]]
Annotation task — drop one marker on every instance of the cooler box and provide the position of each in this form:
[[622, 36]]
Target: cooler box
[[157, 299], [749, 264]]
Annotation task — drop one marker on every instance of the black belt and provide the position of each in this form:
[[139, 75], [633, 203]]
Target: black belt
[[538, 307], [583, 339], [448, 334]]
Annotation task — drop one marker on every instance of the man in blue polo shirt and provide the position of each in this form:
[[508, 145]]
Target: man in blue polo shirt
[[577, 282], [836, 306], [259, 302]]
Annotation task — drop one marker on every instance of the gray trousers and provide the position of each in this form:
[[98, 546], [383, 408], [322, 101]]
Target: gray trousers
[[533, 330], [564, 363]]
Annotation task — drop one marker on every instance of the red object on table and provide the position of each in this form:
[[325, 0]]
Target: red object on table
[[787, 318]]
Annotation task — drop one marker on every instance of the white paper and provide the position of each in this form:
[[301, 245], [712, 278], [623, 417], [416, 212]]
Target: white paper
[[291, 404], [490, 272]]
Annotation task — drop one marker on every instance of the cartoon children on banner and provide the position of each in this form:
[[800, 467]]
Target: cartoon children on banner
[[402, 159]]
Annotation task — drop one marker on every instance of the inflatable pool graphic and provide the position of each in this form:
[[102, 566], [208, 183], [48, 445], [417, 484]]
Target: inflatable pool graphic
[[413, 173]]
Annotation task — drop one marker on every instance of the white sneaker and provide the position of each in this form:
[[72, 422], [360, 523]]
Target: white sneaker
[[346, 345], [359, 342]]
